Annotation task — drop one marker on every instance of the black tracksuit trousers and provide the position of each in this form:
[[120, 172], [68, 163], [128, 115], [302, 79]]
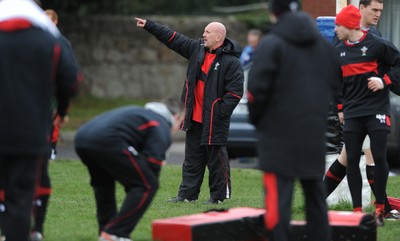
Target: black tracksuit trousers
[[138, 177], [17, 174], [197, 158], [278, 204], [41, 197]]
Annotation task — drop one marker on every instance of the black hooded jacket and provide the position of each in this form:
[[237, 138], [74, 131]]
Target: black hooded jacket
[[223, 84], [291, 84], [34, 67]]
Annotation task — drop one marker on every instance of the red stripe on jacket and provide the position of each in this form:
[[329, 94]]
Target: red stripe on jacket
[[211, 120], [359, 68], [340, 107], [234, 95], [155, 161], [148, 124], [56, 59], [387, 79], [14, 24], [172, 37], [185, 101]]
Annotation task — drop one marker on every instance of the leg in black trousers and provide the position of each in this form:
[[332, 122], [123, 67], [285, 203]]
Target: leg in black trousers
[[316, 210], [219, 172], [41, 197], [103, 185], [278, 205], [378, 149], [19, 183], [139, 179], [194, 165], [354, 142]]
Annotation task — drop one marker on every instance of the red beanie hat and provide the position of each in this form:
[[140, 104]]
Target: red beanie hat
[[349, 17]]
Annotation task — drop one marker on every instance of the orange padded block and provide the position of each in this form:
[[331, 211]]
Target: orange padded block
[[246, 224], [208, 226]]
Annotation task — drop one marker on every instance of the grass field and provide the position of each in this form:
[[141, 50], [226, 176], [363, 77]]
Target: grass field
[[71, 214]]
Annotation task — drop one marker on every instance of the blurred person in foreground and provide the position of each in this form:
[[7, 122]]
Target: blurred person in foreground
[[43, 186], [126, 145], [292, 63], [212, 89], [34, 68]]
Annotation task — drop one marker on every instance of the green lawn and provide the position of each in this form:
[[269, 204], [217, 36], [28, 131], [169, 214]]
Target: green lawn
[[71, 214]]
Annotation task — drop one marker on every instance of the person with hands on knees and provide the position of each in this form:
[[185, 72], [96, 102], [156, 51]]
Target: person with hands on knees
[[126, 145], [212, 89]]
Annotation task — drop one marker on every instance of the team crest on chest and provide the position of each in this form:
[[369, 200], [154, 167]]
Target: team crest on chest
[[364, 51]]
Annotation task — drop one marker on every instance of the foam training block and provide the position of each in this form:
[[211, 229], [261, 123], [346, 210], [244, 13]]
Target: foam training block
[[246, 224], [345, 226], [219, 225]]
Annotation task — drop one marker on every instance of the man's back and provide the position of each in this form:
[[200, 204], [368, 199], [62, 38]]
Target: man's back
[[27, 69], [292, 81]]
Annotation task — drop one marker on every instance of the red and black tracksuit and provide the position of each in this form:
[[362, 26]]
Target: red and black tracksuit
[[125, 145], [335, 141], [218, 77], [367, 112], [33, 68]]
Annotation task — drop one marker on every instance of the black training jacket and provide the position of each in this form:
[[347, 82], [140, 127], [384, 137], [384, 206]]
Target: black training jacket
[[370, 57], [291, 85], [223, 84], [130, 126], [34, 67]]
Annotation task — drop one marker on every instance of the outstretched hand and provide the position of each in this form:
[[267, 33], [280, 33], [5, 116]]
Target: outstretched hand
[[140, 22]]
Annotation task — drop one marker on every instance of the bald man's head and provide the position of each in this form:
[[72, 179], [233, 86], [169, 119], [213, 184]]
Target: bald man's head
[[214, 35]]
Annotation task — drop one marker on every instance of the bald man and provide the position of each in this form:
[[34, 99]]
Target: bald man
[[212, 88]]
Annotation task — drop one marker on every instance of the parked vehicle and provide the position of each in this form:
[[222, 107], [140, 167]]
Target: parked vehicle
[[242, 135]]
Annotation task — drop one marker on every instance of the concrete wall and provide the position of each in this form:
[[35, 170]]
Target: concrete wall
[[120, 60]]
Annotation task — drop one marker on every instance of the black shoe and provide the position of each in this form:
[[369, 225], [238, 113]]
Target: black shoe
[[179, 199], [213, 201], [379, 218], [393, 215]]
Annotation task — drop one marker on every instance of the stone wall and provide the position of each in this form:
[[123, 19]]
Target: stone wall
[[120, 60]]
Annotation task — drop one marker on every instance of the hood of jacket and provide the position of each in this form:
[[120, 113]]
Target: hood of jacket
[[297, 28], [28, 10], [232, 47]]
